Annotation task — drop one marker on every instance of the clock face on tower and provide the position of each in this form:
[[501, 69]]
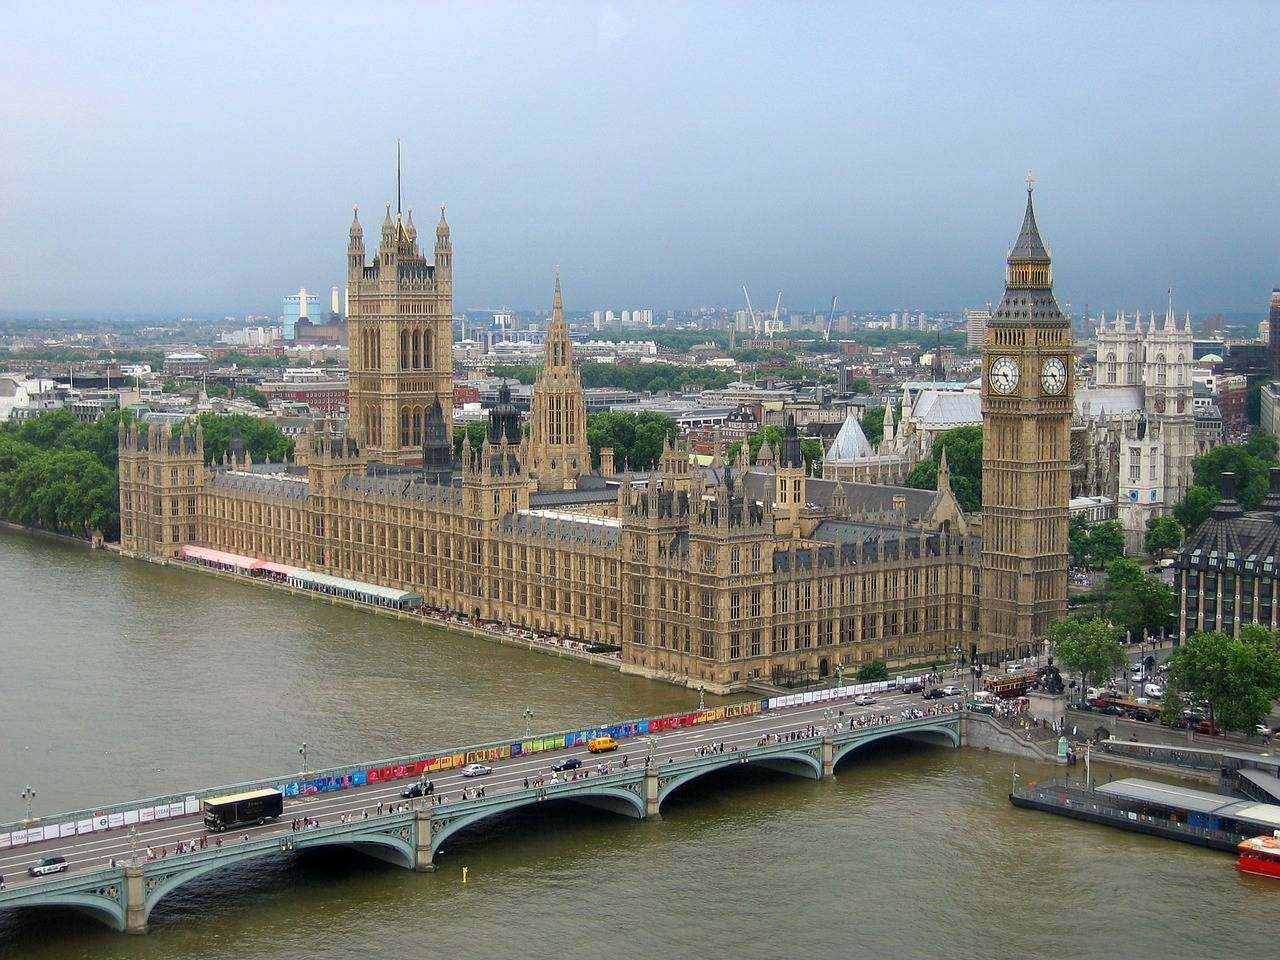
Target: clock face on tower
[[1053, 376], [1004, 375]]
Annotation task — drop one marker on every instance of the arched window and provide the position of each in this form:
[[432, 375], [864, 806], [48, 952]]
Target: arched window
[[417, 426], [417, 349], [404, 349], [1111, 368], [404, 426], [426, 350], [1161, 370]]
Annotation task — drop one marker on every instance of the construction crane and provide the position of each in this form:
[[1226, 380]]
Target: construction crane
[[776, 307], [751, 313], [831, 318]]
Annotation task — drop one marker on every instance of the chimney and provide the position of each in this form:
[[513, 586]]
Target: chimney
[[1272, 502], [1228, 486]]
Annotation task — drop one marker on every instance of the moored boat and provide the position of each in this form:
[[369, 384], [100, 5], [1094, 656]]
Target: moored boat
[[1260, 855]]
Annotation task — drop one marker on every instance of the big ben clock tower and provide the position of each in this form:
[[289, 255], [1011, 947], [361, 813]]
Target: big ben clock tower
[[1026, 448]]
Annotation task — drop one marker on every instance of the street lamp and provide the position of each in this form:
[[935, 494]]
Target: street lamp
[[528, 723], [302, 752], [702, 696], [133, 844], [826, 720], [653, 749], [28, 795], [839, 674]]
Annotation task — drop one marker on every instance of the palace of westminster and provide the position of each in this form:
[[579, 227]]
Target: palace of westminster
[[709, 576]]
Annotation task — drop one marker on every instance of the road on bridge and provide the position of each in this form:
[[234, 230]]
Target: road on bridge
[[95, 851]]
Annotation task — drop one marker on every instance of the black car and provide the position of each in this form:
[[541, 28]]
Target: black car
[[912, 688], [568, 763], [415, 790], [934, 694]]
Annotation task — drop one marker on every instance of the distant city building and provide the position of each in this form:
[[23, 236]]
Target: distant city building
[[975, 324], [327, 397], [299, 306], [186, 364], [1273, 330]]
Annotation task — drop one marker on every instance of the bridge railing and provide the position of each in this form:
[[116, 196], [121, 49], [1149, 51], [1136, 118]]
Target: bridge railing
[[61, 883], [123, 815]]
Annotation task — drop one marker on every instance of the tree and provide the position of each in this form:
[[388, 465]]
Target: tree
[[872, 671], [217, 390], [873, 423], [1249, 461], [474, 432], [1137, 601], [1089, 647], [1194, 507], [252, 394], [963, 447], [1238, 678], [860, 385], [262, 440], [1163, 533], [1106, 542], [1078, 539], [637, 438]]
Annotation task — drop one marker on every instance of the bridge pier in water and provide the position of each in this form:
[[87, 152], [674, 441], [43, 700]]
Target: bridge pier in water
[[423, 854], [135, 899]]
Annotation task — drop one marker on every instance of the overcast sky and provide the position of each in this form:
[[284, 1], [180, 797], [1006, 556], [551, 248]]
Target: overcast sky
[[162, 161]]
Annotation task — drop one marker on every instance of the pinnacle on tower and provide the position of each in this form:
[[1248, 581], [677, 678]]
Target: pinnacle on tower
[[1029, 246]]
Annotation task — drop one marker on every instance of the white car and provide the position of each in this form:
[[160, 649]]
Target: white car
[[1153, 690], [865, 700], [476, 770], [951, 690], [48, 865], [1013, 666]]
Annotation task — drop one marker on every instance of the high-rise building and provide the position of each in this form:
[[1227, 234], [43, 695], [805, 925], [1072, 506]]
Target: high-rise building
[[975, 323], [1273, 330], [335, 308], [400, 336], [1026, 452], [558, 452]]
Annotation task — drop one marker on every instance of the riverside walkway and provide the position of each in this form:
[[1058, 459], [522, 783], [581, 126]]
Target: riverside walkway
[[117, 874]]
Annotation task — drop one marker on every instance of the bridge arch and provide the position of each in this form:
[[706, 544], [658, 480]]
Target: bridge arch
[[795, 762], [393, 844], [100, 907], [615, 799], [945, 734]]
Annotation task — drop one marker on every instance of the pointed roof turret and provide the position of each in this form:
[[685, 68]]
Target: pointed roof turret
[[1029, 247], [356, 230], [442, 225], [944, 472]]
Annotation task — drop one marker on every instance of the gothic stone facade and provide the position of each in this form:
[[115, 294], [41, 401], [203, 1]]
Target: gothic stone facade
[[712, 576]]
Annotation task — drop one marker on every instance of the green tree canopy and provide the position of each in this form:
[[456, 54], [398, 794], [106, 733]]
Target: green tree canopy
[[1238, 678], [636, 438], [1249, 461], [1078, 539], [1089, 647], [873, 424], [963, 446], [1106, 542], [872, 671], [261, 439], [860, 385], [474, 431], [1163, 534], [1137, 601]]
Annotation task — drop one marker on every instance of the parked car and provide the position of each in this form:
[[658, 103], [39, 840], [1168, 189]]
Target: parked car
[[934, 694], [1204, 726], [48, 865], [912, 688], [1112, 710], [865, 700], [1013, 666], [568, 763], [1264, 731], [476, 770], [951, 690]]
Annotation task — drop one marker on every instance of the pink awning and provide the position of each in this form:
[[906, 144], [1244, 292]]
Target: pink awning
[[217, 556], [279, 568]]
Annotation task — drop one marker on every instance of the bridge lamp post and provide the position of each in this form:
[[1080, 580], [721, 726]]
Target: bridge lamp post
[[133, 844], [28, 795], [528, 723], [839, 672], [302, 752], [653, 750]]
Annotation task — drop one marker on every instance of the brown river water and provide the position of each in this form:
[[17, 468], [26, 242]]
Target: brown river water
[[120, 679]]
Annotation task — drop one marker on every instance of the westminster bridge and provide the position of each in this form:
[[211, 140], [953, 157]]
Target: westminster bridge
[[117, 874]]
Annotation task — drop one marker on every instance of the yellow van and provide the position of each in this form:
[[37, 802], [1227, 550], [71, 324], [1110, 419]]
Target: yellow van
[[602, 743]]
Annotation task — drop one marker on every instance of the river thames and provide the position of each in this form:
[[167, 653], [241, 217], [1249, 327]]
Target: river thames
[[121, 680]]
